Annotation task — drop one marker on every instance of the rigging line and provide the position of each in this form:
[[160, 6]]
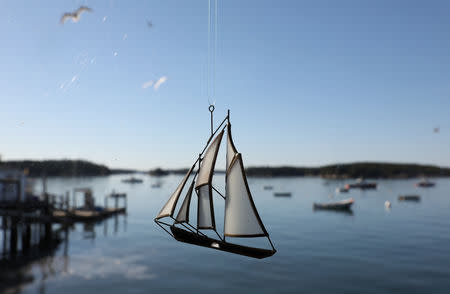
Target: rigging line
[[218, 192], [270, 241], [158, 223]]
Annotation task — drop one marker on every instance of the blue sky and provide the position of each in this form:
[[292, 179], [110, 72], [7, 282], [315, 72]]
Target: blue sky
[[308, 82]]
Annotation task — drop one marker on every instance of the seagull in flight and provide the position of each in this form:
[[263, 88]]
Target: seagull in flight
[[74, 16]]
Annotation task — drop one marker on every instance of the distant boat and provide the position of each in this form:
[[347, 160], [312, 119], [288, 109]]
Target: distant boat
[[156, 185], [425, 184], [409, 198], [158, 172], [268, 187], [132, 180], [282, 194], [241, 216], [342, 190], [362, 184], [339, 205]]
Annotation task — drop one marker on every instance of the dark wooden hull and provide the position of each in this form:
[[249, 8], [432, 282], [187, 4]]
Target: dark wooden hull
[[196, 239]]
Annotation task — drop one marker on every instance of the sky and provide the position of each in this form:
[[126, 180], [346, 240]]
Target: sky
[[308, 83]]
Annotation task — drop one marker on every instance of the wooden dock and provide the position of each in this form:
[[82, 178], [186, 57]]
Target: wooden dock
[[79, 215], [52, 211]]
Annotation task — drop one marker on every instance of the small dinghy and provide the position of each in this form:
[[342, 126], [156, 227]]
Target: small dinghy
[[339, 205], [132, 180], [268, 187], [241, 217], [342, 190], [282, 194], [425, 184], [409, 198], [362, 184]]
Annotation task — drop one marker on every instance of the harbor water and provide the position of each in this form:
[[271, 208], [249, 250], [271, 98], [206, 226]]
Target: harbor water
[[372, 249]]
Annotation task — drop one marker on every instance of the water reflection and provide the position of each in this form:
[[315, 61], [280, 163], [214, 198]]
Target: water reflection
[[131, 254], [35, 253], [331, 211]]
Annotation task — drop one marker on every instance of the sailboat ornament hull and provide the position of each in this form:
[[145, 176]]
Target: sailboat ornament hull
[[241, 216]]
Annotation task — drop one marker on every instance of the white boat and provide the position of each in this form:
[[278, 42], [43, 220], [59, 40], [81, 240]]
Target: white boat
[[132, 180], [342, 190], [339, 205], [241, 217]]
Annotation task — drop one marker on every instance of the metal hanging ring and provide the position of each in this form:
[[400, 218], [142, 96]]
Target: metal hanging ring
[[211, 108]]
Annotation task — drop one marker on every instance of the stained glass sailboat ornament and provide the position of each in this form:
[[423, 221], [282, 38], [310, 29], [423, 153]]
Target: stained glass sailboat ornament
[[241, 216]]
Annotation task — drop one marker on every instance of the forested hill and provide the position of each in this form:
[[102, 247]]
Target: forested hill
[[353, 170], [37, 168], [57, 167]]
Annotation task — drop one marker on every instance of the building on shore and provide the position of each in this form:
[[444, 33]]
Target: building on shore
[[13, 185]]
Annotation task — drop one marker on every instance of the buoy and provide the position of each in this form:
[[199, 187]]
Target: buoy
[[387, 204]]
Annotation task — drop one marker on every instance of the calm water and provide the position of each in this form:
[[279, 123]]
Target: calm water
[[373, 250]]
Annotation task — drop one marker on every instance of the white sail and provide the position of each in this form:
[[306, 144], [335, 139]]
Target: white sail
[[231, 149], [169, 207], [241, 217], [183, 214], [205, 213], [208, 162]]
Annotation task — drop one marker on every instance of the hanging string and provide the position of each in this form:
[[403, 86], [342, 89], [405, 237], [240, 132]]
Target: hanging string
[[208, 70], [212, 50], [215, 49]]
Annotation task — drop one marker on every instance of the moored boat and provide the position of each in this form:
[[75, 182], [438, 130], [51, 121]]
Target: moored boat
[[339, 205], [409, 198], [425, 184], [282, 194], [132, 180], [362, 184], [342, 189]]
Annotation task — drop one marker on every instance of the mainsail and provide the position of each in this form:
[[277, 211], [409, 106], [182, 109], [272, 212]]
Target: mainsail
[[169, 208], [203, 186], [241, 217]]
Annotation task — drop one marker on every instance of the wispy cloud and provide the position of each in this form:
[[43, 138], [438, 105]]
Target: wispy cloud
[[147, 84], [156, 84], [159, 82]]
